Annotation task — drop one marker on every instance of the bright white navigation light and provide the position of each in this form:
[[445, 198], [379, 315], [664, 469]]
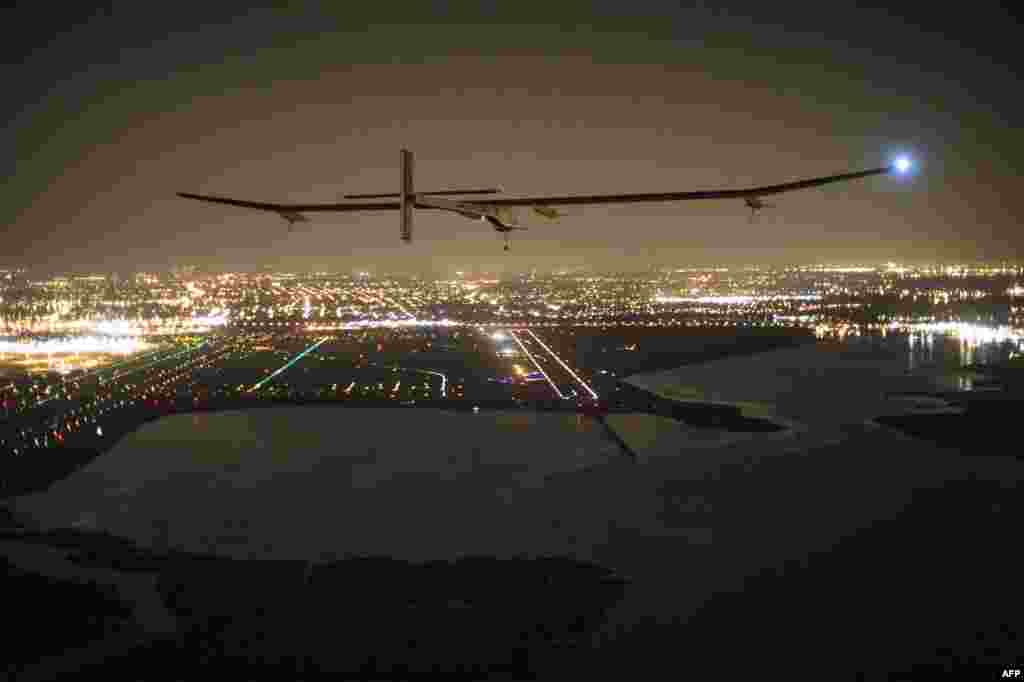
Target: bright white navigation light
[[902, 164]]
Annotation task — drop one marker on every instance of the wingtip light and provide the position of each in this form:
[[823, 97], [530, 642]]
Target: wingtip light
[[902, 165]]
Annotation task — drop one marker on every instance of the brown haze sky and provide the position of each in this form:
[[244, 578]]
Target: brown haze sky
[[109, 113]]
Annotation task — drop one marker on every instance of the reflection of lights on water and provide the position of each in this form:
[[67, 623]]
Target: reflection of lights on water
[[972, 343], [971, 333]]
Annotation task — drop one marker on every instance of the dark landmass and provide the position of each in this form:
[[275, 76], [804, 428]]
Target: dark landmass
[[36, 471], [367, 615], [48, 615], [932, 591]]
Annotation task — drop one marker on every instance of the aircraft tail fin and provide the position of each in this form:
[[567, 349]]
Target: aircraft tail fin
[[407, 197]]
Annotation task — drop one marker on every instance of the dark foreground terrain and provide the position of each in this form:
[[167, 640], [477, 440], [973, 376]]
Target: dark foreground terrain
[[987, 427], [936, 591]]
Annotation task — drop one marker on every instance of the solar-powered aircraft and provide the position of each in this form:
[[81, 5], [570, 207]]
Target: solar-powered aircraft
[[506, 214]]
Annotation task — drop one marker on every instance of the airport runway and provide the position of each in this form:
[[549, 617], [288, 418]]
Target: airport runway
[[564, 382]]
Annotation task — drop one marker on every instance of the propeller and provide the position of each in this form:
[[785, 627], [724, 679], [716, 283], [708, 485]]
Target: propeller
[[548, 212]]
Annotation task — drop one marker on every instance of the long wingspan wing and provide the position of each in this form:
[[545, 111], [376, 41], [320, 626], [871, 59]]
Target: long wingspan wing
[[552, 201], [681, 196], [295, 208]]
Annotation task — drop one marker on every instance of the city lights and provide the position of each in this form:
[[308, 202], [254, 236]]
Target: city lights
[[88, 350], [83, 344], [735, 300]]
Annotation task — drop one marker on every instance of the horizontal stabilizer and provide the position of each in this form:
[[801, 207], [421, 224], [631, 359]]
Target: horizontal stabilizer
[[440, 192]]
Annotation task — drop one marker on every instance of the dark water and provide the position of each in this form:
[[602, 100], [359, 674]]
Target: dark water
[[949, 349]]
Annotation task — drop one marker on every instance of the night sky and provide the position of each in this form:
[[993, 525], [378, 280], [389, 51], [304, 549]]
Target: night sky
[[109, 112]]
